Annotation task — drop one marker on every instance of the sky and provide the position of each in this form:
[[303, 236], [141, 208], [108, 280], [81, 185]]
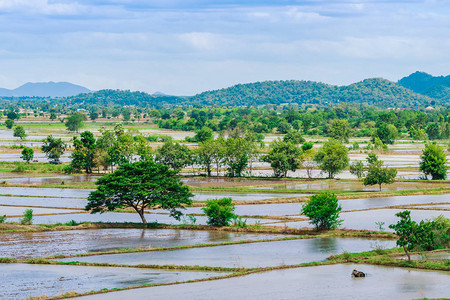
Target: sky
[[184, 47]]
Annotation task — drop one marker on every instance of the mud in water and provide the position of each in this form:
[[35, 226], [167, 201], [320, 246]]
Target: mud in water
[[42, 244], [264, 254], [323, 282]]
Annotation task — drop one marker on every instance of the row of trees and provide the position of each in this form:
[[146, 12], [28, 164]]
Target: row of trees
[[235, 153]]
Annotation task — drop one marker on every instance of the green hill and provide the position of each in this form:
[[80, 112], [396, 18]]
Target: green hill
[[432, 86], [375, 91]]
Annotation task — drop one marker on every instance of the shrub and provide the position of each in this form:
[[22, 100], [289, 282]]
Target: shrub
[[323, 210], [219, 211], [2, 219], [27, 217]]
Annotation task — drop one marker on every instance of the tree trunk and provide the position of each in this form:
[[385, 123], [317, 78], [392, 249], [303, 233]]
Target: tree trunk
[[380, 187], [141, 214], [407, 254]]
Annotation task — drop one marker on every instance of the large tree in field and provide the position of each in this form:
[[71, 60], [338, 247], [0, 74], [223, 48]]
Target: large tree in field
[[175, 155], [83, 156], [377, 173], [339, 130], [283, 157], [140, 185], [53, 148], [332, 157], [434, 162], [75, 122], [20, 132]]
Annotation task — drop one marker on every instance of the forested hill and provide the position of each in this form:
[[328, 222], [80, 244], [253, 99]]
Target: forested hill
[[376, 91], [433, 86], [120, 97]]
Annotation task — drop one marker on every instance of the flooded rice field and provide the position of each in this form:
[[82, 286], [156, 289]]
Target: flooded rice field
[[262, 254], [18, 211], [42, 244], [44, 192], [352, 186], [25, 280], [50, 179], [115, 217], [366, 220], [203, 196], [321, 282], [43, 202]]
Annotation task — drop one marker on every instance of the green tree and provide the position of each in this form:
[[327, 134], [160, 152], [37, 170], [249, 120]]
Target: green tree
[[83, 155], [357, 169], [323, 210], [332, 157], [220, 212], [377, 173], [283, 157], [123, 148], [9, 123], [339, 130], [19, 132], [405, 230], [237, 153], [140, 185], [434, 162], [12, 115], [52, 116], [175, 155], [294, 136], [433, 131], [27, 154], [53, 148], [93, 115], [387, 133], [204, 134], [205, 153], [75, 122]]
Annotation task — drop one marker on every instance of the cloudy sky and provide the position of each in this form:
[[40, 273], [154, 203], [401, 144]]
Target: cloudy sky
[[183, 47]]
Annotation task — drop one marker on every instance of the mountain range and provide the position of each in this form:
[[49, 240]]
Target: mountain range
[[417, 88], [45, 89]]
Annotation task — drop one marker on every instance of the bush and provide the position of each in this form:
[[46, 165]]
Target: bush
[[323, 210], [2, 219], [219, 211], [27, 217]]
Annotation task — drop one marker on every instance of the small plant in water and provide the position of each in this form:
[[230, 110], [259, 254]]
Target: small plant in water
[[239, 222], [27, 217], [380, 225], [71, 223], [2, 219], [190, 220]]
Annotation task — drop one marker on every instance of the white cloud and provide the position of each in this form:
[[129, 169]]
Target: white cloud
[[203, 41], [41, 6]]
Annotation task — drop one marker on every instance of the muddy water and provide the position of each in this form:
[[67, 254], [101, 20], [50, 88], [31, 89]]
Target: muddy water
[[283, 209], [120, 218], [367, 219], [246, 255], [22, 280], [42, 244], [203, 196], [50, 179], [354, 186], [322, 282]]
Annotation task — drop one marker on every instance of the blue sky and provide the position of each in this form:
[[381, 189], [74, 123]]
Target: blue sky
[[186, 47]]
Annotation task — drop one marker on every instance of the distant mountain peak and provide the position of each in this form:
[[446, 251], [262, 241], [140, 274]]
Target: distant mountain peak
[[45, 89], [426, 84]]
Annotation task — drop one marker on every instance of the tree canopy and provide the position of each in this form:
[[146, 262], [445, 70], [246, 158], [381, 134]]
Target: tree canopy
[[140, 185]]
